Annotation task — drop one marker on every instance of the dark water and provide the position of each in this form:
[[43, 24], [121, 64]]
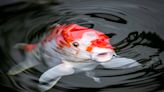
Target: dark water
[[136, 31]]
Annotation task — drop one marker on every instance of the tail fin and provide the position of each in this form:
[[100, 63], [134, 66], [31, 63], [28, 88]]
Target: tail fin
[[29, 61], [22, 66]]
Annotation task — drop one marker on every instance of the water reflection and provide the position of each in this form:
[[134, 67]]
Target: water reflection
[[145, 40], [108, 17]]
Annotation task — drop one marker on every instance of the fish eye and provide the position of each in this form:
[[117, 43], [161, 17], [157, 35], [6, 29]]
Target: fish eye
[[76, 44]]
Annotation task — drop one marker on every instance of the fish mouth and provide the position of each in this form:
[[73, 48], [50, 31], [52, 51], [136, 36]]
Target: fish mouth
[[103, 57], [104, 54]]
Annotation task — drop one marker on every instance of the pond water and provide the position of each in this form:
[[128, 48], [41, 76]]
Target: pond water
[[135, 29]]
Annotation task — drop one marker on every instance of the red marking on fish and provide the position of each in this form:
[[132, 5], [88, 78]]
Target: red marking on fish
[[29, 47], [65, 34]]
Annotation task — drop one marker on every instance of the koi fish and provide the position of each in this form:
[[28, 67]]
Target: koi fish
[[68, 49]]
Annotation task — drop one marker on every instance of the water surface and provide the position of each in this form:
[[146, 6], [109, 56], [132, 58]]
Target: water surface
[[135, 29]]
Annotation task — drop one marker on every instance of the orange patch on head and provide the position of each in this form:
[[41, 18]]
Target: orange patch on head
[[89, 48], [101, 42], [67, 37], [65, 34], [61, 42], [70, 33], [64, 38]]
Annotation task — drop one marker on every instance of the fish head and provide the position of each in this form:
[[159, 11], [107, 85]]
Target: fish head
[[82, 43]]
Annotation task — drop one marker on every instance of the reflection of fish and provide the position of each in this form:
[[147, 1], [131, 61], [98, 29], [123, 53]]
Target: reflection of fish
[[77, 48]]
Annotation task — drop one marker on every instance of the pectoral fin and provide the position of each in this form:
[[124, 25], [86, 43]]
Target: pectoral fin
[[120, 63], [49, 78], [46, 86]]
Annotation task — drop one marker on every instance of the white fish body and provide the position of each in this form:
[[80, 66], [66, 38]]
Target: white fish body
[[69, 49]]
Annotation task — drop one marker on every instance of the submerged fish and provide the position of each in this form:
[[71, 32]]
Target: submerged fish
[[69, 49]]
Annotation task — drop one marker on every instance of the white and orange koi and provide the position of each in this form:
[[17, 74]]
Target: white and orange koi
[[69, 49]]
